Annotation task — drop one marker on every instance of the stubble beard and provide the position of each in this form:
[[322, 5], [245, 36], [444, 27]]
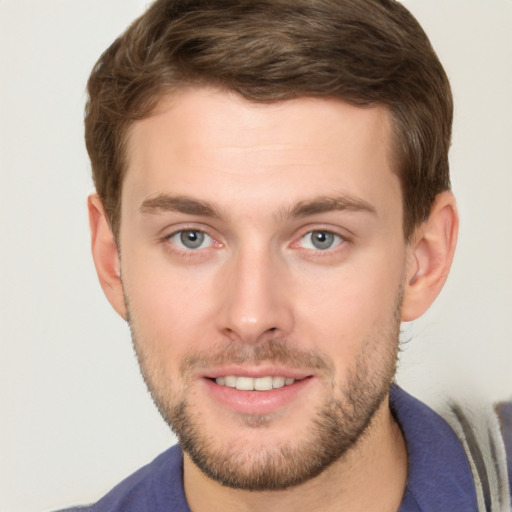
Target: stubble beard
[[339, 423]]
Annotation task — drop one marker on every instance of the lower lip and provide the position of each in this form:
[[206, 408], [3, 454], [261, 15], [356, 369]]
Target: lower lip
[[257, 402]]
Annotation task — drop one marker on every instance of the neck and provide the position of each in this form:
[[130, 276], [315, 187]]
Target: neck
[[370, 477]]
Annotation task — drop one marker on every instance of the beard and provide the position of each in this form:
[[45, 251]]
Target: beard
[[342, 419]]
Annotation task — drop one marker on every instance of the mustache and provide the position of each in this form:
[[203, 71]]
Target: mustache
[[273, 351]]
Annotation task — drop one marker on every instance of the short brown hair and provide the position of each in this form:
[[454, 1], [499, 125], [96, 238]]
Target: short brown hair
[[365, 52]]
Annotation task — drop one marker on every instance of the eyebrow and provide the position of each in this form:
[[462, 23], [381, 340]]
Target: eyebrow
[[326, 204], [180, 204], [191, 206]]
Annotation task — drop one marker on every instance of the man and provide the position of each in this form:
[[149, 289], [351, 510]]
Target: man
[[273, 199]]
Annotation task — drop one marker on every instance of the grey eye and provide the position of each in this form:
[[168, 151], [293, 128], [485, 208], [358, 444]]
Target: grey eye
[[320, 240], [191, 239]]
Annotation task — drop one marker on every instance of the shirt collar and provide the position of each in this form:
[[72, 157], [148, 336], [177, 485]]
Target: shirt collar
[[439, 477]]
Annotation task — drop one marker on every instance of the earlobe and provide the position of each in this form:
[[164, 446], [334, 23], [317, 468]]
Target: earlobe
[[430, 257], [105, 254]]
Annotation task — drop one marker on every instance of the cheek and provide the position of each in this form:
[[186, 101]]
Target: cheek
[[351, 305], [165, 308]]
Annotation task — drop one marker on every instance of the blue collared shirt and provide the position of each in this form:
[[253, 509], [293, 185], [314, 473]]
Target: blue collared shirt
[[439, 476]]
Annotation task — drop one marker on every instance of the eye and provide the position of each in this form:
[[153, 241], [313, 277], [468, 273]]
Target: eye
[[191, 239], [320, 240]]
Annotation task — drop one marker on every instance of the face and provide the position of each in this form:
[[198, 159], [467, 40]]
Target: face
[[262, 262]]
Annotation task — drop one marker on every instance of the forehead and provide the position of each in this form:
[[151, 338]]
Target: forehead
[[210, 139]]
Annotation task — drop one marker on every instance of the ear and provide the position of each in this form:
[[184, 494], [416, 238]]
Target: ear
[[431, 251], [105, 254]]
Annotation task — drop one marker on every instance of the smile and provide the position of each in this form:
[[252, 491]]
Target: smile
[[254, 384]]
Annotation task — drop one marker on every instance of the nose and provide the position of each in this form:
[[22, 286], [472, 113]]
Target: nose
[[255, 303]]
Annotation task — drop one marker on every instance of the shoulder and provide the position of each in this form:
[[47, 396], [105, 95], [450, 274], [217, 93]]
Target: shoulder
[[151, 488], [484, 432], [504, 412], [457, 455], [439, 475]]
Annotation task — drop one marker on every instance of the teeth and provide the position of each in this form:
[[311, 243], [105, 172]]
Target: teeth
[[278, 382], [263, 383], [230, 381], [244, 383], [250, 384]]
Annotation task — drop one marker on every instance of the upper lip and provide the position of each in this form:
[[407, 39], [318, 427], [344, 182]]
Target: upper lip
[[255, 372]]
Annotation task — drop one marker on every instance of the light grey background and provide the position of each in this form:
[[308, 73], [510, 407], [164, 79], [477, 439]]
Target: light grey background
[[74, 415]]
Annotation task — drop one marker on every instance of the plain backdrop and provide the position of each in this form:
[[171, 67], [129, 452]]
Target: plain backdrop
[[75, 417]]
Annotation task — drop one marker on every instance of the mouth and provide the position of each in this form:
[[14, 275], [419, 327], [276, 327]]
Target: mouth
[[263, 392], [265, 383]]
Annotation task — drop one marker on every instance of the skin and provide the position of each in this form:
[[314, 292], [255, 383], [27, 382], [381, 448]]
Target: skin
[[258, 181]]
